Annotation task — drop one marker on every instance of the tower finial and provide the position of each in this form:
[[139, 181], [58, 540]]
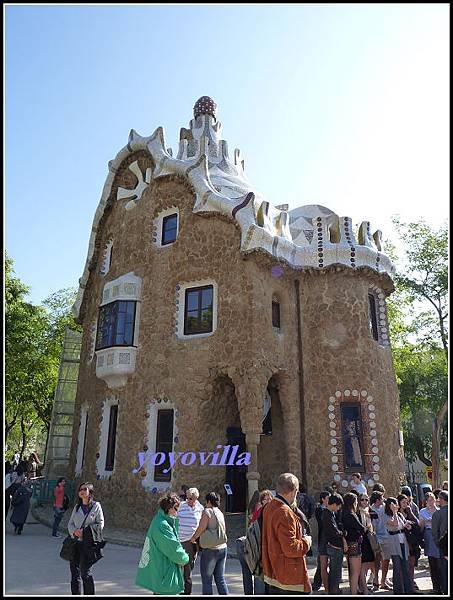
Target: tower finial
[[205, 106]]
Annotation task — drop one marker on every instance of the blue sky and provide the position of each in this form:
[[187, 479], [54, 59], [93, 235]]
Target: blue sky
[[341, 105]]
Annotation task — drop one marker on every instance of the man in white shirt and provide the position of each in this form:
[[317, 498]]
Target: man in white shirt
[[189, 515], [357, 484]]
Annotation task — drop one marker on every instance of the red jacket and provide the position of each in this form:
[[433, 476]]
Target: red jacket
[[284, 548], [59, 496]]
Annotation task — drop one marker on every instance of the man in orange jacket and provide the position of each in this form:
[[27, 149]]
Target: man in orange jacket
[[284, 543]]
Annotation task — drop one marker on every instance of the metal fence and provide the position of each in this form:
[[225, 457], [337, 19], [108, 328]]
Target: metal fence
[[43, 490]]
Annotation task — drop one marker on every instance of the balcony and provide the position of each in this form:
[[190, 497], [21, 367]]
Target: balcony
[[114, 365]]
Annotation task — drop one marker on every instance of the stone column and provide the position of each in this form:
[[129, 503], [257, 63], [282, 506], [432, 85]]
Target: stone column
[[252, 439]]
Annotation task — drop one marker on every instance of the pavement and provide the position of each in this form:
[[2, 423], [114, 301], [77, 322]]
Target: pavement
[[34, 567]]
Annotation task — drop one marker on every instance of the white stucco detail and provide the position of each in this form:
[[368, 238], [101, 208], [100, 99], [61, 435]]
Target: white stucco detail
[[221, 186], [81, 438], [152, 409], [105, 265], [158, 223], [103, 438], [115, 364], [180, 308], [136, 193]]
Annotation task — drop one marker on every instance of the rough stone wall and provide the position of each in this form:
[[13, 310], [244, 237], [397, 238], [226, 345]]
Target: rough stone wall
[[220, 381], [185, 371], [342, 362]]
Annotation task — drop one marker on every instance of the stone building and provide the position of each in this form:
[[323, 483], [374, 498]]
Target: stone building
[[213, 318]]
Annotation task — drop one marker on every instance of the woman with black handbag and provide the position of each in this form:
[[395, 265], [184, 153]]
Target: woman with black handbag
[[85, 526]]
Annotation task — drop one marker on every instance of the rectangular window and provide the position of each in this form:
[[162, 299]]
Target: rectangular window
[[373, 317], [164, 443], [352, 433], [116, 324], [84, 440], [198, 310], [276, 314], [169, 229], [111, 441]]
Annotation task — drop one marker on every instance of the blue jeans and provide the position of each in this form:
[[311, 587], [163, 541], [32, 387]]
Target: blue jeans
[[213, 563], [58, 514], [402, 581], [335, 569]]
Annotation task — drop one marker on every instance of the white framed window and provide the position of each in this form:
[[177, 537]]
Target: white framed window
[[106, 460], [81, 441], [166, 227], [196, 303], [162, 432]]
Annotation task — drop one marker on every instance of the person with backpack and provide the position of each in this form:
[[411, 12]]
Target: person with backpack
[[284, 542], [248, 549], [60, 505]]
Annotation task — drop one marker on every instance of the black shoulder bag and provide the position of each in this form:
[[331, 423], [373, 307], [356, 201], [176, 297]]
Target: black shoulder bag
[[68, 548]]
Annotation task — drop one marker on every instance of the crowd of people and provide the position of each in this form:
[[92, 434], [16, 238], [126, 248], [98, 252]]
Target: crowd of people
[[19, 476], [368, 530]]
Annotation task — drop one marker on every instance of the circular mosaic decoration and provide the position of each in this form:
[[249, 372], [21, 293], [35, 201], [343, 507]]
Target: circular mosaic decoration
[[331, 408], [204, 106], [334, 459], [355, 392], [370, 398], [332, 425], [372, 423], [381, 296], [344, 483], [334, 467], [331, 416], [333, 442], [376, 459], [370, 406], [333, 450], [376, 477], [332, 399], [363, 393], [338, 393], [374, 442], [373, 433], [347, 392], [333, 433], [374, 450], [376, 467], [336, 478]]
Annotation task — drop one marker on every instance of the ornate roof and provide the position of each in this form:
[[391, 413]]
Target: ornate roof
[[306, 237]]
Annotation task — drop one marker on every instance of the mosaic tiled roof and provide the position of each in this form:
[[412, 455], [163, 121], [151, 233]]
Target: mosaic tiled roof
[[310, 236]]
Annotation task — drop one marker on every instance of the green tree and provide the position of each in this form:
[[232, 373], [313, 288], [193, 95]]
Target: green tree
[[419, 332], [34, 339]]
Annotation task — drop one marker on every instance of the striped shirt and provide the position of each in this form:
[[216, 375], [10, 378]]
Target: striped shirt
[[189, 519]]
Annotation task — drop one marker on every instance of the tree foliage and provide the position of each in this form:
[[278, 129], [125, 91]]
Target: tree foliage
[[419, 333], [33, 342]]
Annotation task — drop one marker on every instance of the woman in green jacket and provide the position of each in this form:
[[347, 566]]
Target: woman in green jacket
[[162, 559]]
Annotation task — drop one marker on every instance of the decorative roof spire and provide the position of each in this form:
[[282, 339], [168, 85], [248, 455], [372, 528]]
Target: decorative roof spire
[[205, 106]]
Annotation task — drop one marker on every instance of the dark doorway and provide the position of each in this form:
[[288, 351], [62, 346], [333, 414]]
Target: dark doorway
[[236, 475]]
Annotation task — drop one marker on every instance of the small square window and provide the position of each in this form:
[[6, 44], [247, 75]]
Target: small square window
[[169, 229]]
